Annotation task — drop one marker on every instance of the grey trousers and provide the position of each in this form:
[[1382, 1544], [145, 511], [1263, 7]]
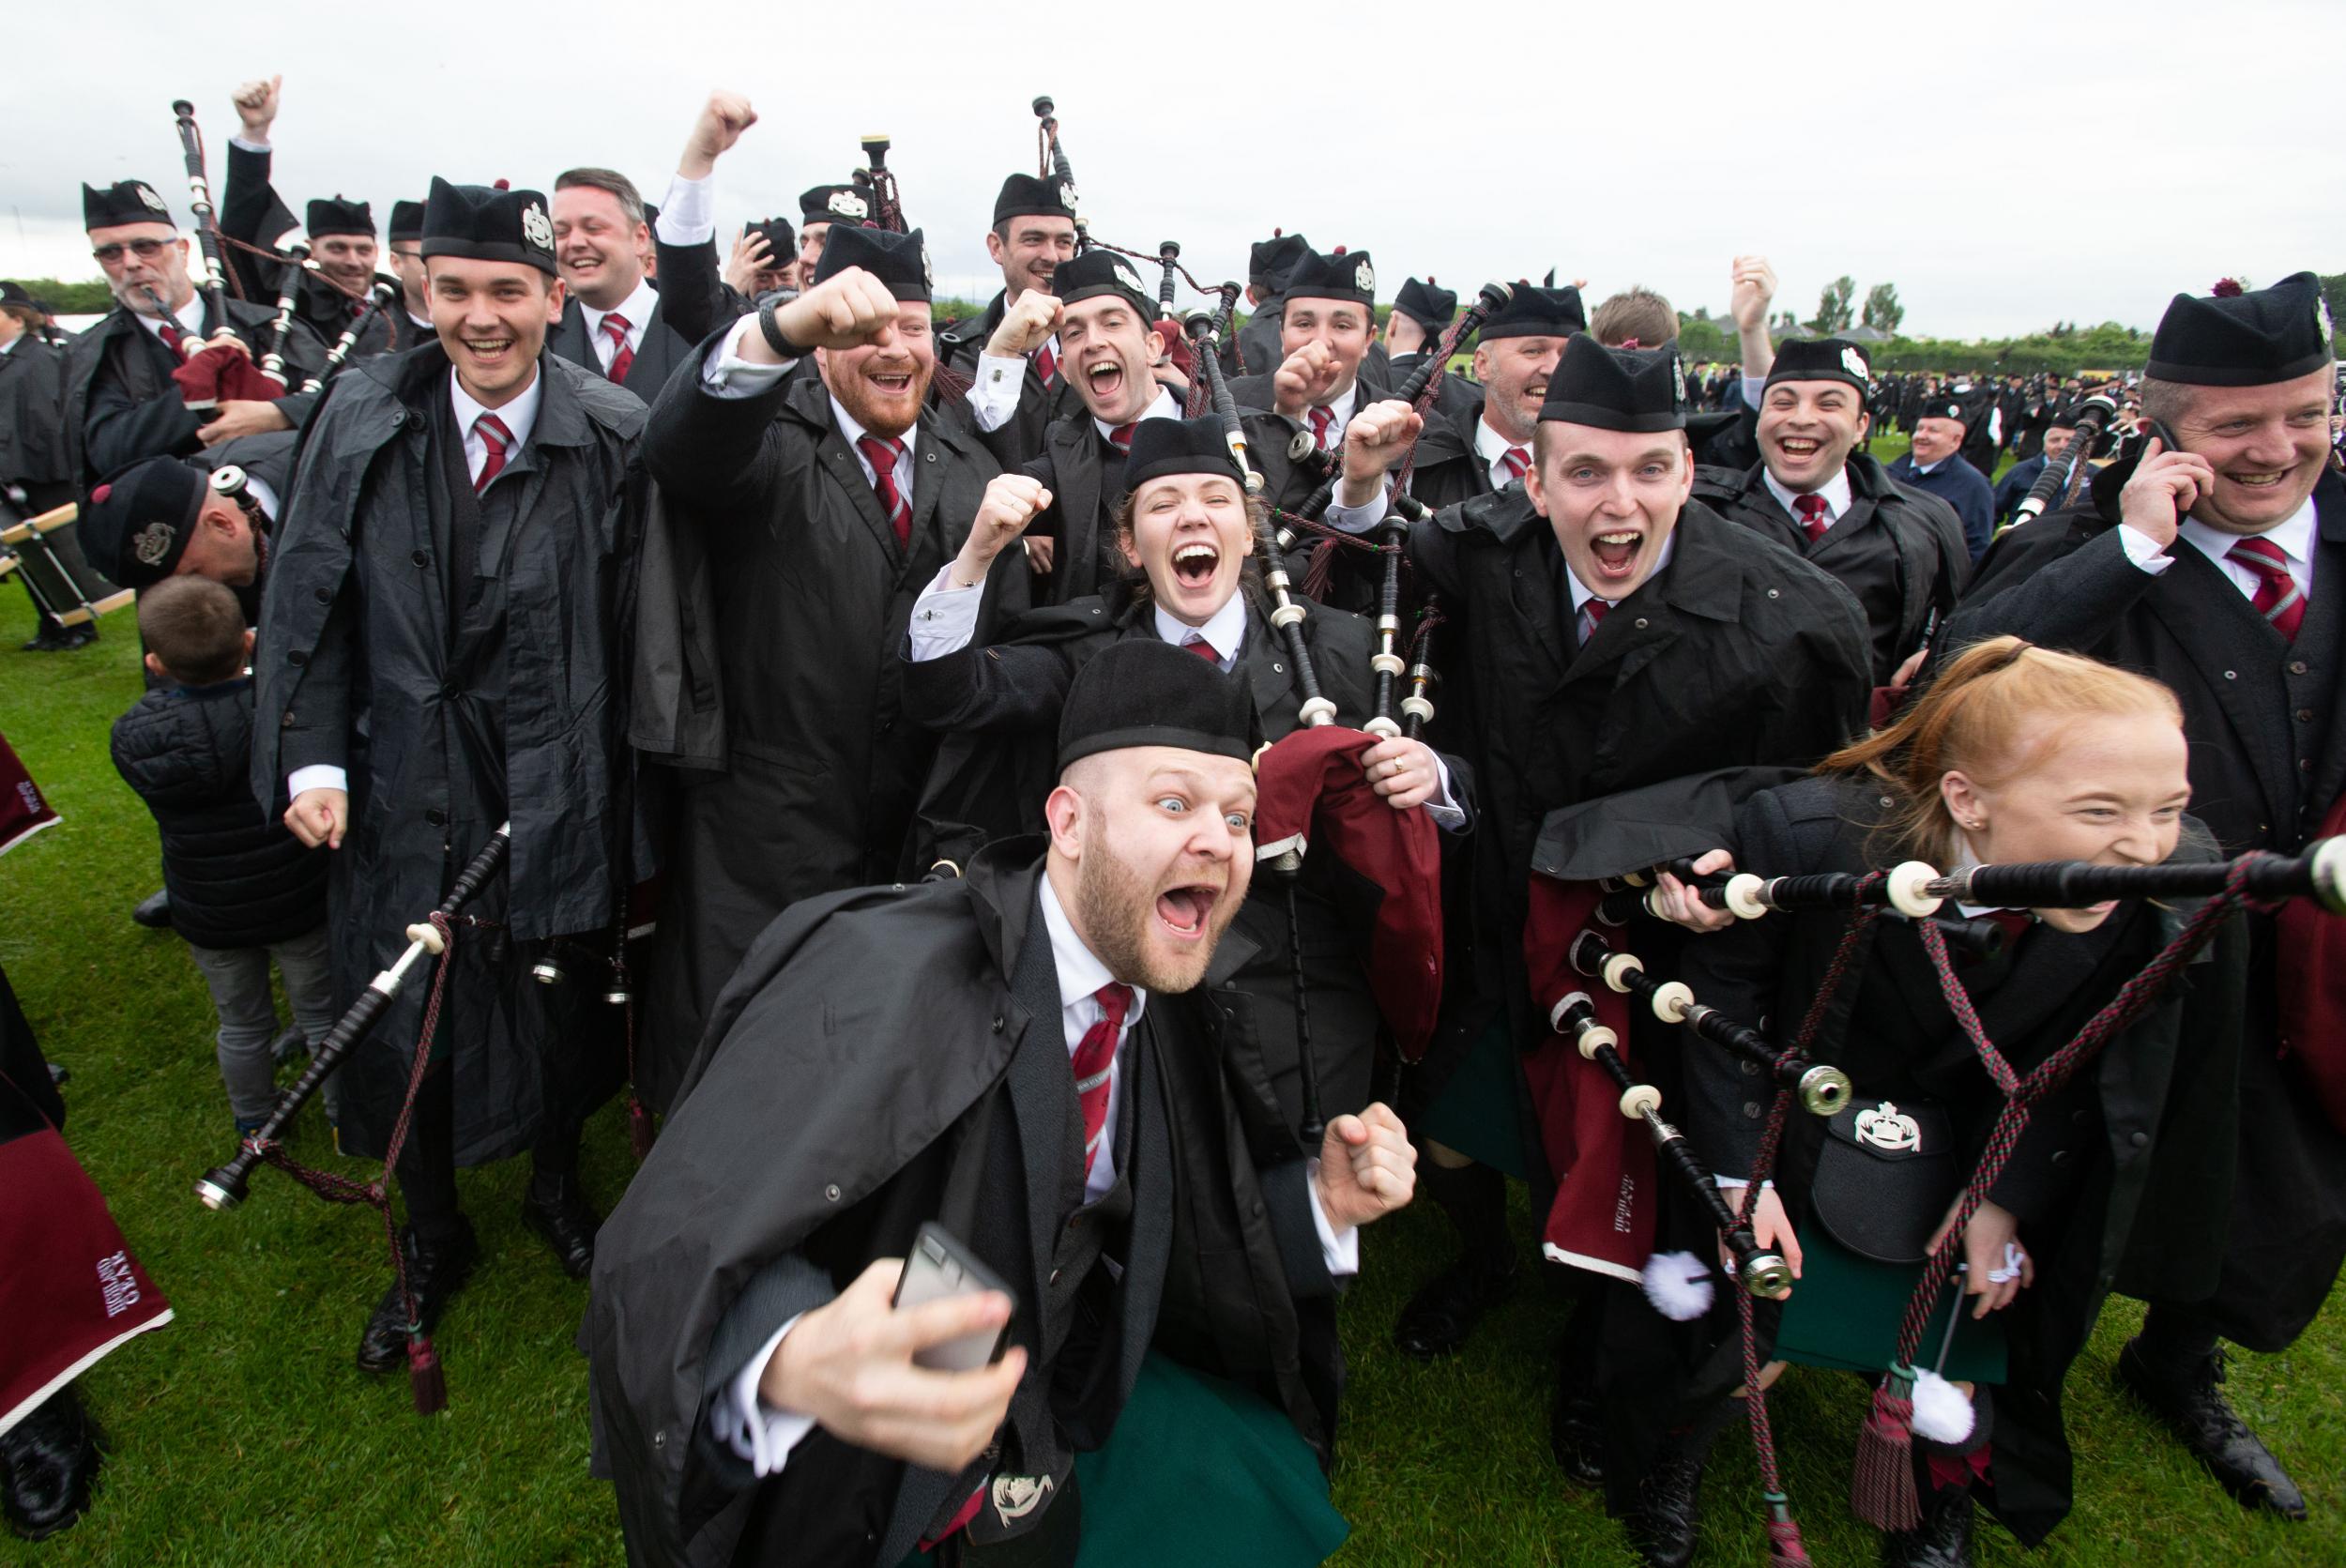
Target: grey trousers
[[239, 978]]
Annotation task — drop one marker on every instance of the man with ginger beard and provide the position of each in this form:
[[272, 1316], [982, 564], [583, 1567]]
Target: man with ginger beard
[[2219, 567], [1900, 552], [1605, 632], [1038, 1068], [1185, 539], [439, 646], [806, 512]]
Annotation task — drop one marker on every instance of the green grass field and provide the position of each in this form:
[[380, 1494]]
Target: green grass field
[[243, 1434]]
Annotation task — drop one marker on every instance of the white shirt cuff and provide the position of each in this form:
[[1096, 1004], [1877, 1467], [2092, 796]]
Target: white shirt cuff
[[1339, 1250], [688, 213], [994, 392], [1753, 389], [727, 375], [944, 617], [2142, 550], [1443, 808], [249, 146], [318, 775], [751, 1427], [1355, 519]]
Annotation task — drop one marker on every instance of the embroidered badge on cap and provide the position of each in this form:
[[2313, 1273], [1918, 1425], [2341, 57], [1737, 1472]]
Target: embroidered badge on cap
[[1887, 1127], [928, 273], [1364, 278], [1678, 380], [847, 204], [146, 194], [1127, 277], [1853, 361], [537, 227], [152, 543], [1067, 195]]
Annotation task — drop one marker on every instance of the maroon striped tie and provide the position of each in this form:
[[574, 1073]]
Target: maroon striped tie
[[622, 357], [1321, 418], [1812, 517], [2277, 597], [881, 453], [1516, 461], [499, 442], [1096, 1055], [1047, 366], [175, 337]]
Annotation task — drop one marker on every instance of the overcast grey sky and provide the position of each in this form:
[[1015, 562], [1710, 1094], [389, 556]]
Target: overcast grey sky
[[1936, 146]]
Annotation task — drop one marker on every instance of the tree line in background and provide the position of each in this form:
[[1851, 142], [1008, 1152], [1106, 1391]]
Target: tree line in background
[[2064, 348]]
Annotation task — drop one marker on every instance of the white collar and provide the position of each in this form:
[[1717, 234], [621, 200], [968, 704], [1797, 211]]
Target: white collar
[[1080, 971], [1967, 860], [1163, 408], [10, 348], [1226, 629], [519, 416], [1835, 491], [189, 316], [1491, 446], [853, 429], [2294, 534], [1340, 409], [1922, 468], [1583, 593], [636, 306]]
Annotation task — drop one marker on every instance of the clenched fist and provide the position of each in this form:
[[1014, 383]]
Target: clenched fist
[[1012, 501], [1026, 325], [1307, 376], [846, 310]]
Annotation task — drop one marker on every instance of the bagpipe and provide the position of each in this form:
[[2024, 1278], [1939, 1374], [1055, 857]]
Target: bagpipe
[[379, 300], [879, 185], [297, 259], [1561, 946], [2058, 484], [220, 369], [1051, 160]]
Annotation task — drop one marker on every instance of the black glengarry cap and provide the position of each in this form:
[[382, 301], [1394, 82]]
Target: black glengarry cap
[[1139, 691], [1639, 389], [481, 223]]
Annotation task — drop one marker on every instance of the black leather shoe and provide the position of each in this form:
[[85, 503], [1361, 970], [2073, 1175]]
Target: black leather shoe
[[154, 910], [48, 1462], [1943, 1540], [2195, 1410], [434, 1273], [1574, 1436], [63, 639], [566, 1222], [1667, 1519], [1444, 1310]]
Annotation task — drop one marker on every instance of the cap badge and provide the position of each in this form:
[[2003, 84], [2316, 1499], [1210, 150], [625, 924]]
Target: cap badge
[[537, 228], [1364, 278], [152, 543], [1677, 381], [1854, 362], [847, 204], [1067, 195], [146, 194]]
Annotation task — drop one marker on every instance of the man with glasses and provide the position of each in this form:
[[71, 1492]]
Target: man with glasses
[[120, 402]]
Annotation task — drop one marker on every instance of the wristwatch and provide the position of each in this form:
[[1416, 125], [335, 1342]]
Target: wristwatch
[[774, 340]]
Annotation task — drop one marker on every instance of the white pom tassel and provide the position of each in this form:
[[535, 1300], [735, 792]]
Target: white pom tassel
[[1679, 1286], [1943, 1412]]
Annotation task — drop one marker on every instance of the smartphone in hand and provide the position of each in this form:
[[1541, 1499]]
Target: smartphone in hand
[[939, 1268]]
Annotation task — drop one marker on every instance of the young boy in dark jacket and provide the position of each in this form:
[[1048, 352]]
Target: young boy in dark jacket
[[242, 887]]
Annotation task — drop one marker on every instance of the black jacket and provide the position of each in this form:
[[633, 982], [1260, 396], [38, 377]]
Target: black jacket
[[807, 772], [236, 876], [32, 417], [252, 212], [1020, 438], [2121, 1180], [121, 403], [1739, 653], [1222, 1270], [2266, 718], [661, 352], [456, 701], [1898, 551]]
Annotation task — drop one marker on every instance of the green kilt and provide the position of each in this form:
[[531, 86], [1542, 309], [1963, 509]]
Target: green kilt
[[1479, 1112], [1846, 1310]]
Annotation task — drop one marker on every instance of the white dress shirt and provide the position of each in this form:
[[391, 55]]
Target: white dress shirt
[[688, 213], [190, 316], [635, 309], [765, 1435], [1493, 448], [519, 416], [1582, 594], [1002, 380], [2294, 534], [1835, 491]]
